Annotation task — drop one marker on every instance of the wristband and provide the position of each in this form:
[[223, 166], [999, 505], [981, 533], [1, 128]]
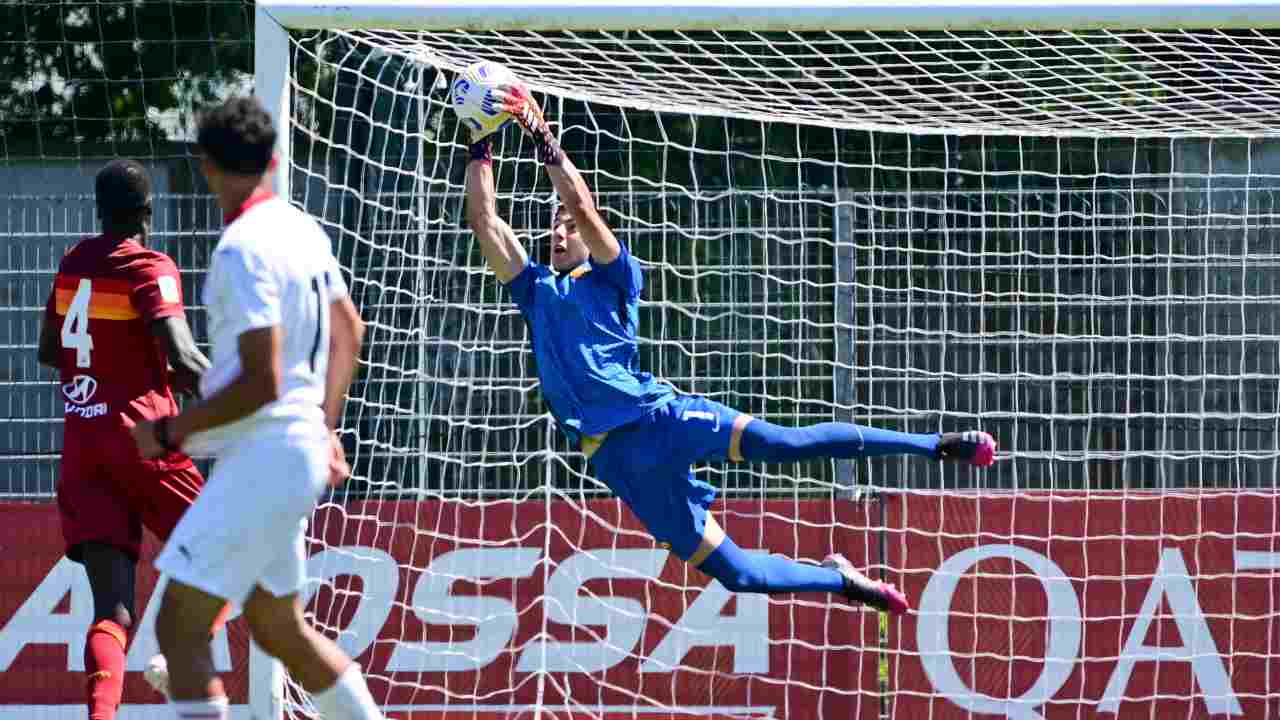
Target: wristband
[[481, 151], [162, 435]]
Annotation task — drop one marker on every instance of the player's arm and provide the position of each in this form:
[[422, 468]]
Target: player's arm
[[498, 242], [47, 351], [157, 295], [185, 358], [346, 333], [259, 383], [569, 183], [576, 197], [251, 289]]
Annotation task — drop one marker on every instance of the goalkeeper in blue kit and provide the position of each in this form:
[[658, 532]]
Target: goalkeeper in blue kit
[[641, 437]]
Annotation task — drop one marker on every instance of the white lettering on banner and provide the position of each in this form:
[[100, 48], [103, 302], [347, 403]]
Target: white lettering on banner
[[35, 623], [379, 580], [494, 618], [1172, 581], [702, 625], [1257, 560], [933, 635], [624, 619]]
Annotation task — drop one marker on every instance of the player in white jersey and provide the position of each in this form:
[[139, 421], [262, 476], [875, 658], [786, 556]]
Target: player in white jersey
[[285, 340]]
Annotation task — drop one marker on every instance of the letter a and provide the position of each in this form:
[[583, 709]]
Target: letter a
[[1173, 581], [35, 623]]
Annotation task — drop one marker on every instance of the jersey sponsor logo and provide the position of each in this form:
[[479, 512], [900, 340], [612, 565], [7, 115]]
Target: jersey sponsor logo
[[78, 393], [85, 411], [81, 389]]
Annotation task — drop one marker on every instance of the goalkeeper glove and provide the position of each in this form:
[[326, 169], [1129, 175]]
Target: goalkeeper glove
[[516, 100]]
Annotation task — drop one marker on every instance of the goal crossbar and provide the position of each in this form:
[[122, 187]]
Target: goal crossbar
[[772, 16]]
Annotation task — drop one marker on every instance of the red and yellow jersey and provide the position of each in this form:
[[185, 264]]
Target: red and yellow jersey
[[105, 296]]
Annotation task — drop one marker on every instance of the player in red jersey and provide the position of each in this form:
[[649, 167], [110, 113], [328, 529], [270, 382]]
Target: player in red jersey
[[115, 329]]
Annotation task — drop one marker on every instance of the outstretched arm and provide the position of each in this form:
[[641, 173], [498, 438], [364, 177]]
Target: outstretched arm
[[568, 182], [498, 243]]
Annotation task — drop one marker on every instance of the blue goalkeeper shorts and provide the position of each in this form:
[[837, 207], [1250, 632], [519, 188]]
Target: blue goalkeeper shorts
[[648, 464]]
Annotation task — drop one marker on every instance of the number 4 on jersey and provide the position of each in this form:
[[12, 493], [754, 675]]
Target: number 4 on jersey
[[75, 328]]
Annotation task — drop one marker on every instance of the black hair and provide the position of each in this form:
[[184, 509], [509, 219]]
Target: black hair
[[122, 190], [238, 136]]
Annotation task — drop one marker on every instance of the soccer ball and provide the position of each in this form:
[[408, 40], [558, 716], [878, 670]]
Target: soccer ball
[[472, 97]]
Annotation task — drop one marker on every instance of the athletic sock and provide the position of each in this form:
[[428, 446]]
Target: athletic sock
[[212, 709], [741, 572], [765, 442], [348, 699], [104, 663]]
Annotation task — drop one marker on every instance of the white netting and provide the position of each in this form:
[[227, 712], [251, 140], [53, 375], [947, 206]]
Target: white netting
[[1059, 260], [1141, 83]]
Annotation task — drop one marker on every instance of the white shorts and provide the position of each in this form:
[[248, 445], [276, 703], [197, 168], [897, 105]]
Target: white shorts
[[248, 525]]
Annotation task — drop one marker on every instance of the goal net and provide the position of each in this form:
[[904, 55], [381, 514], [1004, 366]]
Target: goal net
[[1066, 238]]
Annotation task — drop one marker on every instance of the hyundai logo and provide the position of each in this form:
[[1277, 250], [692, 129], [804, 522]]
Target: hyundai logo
[[80, 390]]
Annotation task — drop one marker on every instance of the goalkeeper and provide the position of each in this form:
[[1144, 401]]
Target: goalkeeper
[[640, 436]]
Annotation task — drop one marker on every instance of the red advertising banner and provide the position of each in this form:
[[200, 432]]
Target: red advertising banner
[[616, 623], [456, 609], [1058, 605], [1028, 606]]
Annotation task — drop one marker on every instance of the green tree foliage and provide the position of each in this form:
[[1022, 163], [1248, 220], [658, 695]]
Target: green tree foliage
[[86, 74]]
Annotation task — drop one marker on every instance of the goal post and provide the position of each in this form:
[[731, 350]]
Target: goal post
[[1056, 221]]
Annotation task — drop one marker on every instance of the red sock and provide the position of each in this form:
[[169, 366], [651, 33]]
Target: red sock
[[104, 663]]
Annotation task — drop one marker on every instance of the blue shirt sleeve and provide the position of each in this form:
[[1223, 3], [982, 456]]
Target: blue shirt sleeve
[[521, 286], [623, 273]]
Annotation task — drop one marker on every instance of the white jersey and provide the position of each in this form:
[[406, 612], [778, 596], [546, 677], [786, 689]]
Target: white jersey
[[273, 266]]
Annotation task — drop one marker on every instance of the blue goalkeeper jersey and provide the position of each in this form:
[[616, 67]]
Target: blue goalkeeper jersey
[[583, 327]]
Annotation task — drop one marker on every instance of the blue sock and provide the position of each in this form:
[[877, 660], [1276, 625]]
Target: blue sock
[[740, 572], [765, 442]]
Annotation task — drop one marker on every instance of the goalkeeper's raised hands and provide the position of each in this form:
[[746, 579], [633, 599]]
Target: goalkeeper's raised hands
[[570, 186], [516, 100]]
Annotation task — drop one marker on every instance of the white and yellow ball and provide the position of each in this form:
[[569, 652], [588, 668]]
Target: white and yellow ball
[[472, 96]]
